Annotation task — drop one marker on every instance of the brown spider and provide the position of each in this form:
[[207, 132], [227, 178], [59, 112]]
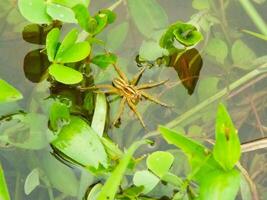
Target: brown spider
[[130, 92]]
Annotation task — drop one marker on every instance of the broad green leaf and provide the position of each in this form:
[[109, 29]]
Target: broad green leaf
[[82, 15], [101, 21], [34, 11], [79, 135], [111, 186], [201, 4], [67, 42], [227, 149], [75, 53], [32, 181], [59, 115], [257, 35], [160, 162], [146, 179], [220, 185], [71, 3], [8, 93], [100, 114], [111, 16], [172, 179], [61, 13], [59, 175], [242, 55], [211, 83], [104, 60], [148, 16], [112, 149], [52, 43], [217, 48], [187, 34], [65, 74], [4, 194], [117, 36], [151, 50]]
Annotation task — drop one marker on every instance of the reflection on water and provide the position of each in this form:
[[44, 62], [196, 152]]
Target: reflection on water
[[25, 65]]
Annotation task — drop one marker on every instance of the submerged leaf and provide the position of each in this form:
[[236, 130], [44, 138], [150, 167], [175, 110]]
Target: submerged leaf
[[146, 179], [8, 93], [32, 181], [59, 115], [217, 48], [103, 61]]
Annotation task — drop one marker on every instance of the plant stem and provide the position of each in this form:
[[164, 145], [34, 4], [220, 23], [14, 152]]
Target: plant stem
[[254, 15], [251, 75]]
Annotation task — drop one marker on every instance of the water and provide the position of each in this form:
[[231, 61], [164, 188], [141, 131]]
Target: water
[[195, 114]]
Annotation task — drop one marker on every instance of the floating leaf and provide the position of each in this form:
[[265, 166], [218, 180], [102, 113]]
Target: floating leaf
[[146, 179], [59, 115], [35, 65], [4, 194], [148, 16], [104, 60], [34, 11], [227, 149], [82, 15], [79, 135], [111, 186], [65, 74], [160, 162], [61, 13], [32, 181], [8, 93], [52, 43], [217, 48]]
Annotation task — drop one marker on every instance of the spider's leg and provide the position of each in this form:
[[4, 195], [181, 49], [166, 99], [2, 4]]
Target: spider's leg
[[151, 85], [134, 109], [121, 74], [153, 99], [121, 109], [137, 77]]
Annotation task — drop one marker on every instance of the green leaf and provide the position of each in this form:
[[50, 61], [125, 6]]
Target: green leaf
[[71, 3], [201, 4], [242, 55], [104, 60], [59, 115], [32, 181], [75, 53], [34, 11], [245, 190], [82, 15], [67, 42], [151, 50], [160, 162], [220, 185], [218, 49], [4, 194], [79, 135], [117, 36], [94, 192], [227, 149], [112, 149], [8, 93], [111, 16], [257, 35], [146, 179], [61, 13], [100, 114], [98, 23], [52, 43], [65, 74], [111, 186], [148, 16]]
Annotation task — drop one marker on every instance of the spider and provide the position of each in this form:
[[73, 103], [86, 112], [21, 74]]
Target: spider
[[130, 92]]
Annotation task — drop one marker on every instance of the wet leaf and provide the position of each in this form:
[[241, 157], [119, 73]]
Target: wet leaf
[[100, 114], [35, 65], [4, 194], [188, 67], [65, 74], [217, 48], [148, 16], [39, 16], [79, 135], [146, 179], [111, 186], [59, 115], [104, 60], [160, 162], [83, 16], [52, 40], [61, 13], [220, 185], [8, 93], [32, 181], [227, 149]]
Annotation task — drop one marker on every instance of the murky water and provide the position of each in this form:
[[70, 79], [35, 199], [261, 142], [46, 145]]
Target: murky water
[[194, 114]]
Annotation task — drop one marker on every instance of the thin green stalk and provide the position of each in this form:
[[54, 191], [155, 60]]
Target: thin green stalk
[[254, 15], [251, 75]]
